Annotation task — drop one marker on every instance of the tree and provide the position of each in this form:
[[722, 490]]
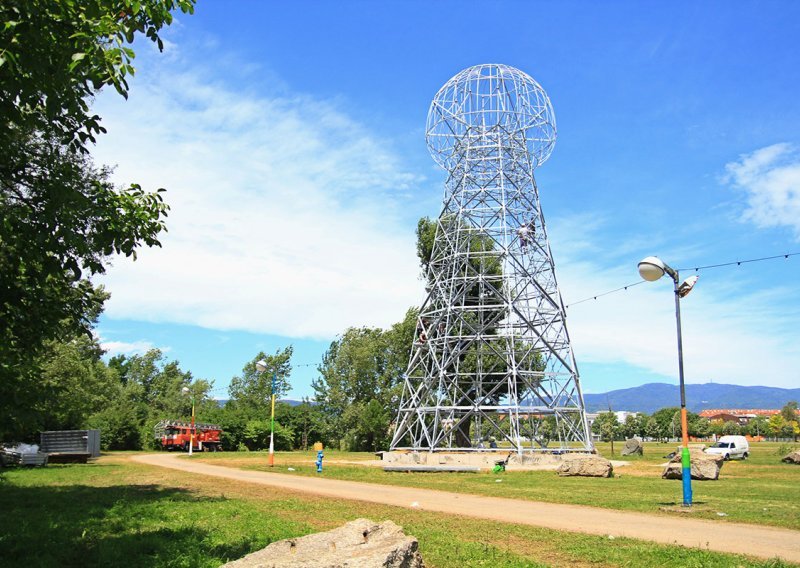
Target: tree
[[651, 429], [362, 366], [716, 427], [371, 425], [70, 384], [608, 427], [698, 426], [426, 235], [669, 422], [789, 411], [730, 428], [75, 382], [253, 389], [250, 404], [120, 424], [61, 218], [776, 425], [257, 433], [757, 426], [306, 420], [56, 54], [149, 389], [795, 431], [633, 425]]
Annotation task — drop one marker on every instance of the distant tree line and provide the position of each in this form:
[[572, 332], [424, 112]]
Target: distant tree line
[[355, 397], [665, 424], [357, 390]]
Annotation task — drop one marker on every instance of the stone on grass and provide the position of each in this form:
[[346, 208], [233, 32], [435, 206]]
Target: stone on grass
[[358, 544], [705, 467], [794, 458], [585, 466], [632, 446]]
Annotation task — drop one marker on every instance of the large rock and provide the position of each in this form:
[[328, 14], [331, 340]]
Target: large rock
[[585, 466], [794, 458], [705, 467], [358, 544], [632, 446]]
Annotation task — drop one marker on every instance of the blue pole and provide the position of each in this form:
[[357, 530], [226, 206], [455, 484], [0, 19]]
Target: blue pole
[[686, 475]]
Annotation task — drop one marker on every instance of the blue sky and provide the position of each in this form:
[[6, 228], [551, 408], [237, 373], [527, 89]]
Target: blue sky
[[290, 137]]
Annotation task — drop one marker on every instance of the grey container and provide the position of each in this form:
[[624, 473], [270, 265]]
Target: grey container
[[67, 442]]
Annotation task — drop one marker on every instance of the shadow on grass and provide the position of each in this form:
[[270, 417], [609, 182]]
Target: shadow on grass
[[79, 525]]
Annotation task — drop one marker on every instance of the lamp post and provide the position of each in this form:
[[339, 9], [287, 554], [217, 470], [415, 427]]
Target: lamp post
[[651, 269], [261, 366], [186, 390]]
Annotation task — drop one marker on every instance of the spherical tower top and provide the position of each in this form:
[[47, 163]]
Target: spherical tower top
[[490, 101]]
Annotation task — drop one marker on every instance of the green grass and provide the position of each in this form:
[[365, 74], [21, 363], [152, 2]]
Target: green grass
[[116, 512], [72, 516], [761, 490]]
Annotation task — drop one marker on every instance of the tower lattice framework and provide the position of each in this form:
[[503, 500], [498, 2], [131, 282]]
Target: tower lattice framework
[[491, 363]]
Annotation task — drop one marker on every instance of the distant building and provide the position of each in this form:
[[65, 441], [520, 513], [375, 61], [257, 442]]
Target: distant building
[[738, 415], [622, 415]]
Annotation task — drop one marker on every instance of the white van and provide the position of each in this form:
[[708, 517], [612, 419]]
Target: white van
[[731, 447]]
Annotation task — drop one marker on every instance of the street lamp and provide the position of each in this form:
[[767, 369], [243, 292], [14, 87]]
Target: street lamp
[[261, 366], [651, 269], [186, 391]]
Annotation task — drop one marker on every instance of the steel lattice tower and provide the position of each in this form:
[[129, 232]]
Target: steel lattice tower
[[492, 356]]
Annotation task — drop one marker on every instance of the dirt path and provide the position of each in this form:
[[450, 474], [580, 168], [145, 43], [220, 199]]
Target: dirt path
[[752, 540]]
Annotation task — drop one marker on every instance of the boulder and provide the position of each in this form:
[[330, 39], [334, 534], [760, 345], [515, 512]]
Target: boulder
[[358, 544], [705, 467], [794, 458], [632, 446], [585, 466]]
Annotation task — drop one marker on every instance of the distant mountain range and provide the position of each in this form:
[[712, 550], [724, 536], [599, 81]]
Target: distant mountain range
[[652, 396]]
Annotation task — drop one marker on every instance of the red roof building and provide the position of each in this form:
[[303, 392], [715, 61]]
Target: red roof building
[[739, 415]]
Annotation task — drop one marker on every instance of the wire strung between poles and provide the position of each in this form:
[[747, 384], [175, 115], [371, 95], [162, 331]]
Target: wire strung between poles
[[695, 268], [740, 262]]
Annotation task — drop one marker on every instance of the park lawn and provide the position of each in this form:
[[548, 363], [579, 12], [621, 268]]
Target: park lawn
[[760, 490], [116, 512]]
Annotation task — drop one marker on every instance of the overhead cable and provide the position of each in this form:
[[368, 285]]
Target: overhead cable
[[694, 268]]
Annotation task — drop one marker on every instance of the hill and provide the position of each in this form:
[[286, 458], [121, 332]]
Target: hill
[[652, 396]]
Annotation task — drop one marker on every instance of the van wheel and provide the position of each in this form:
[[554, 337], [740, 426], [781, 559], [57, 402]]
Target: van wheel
[[744, 457], [727, 457]]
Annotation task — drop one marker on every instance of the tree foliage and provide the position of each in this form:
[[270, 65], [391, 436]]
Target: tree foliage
[[149, 389], [60, 217], [359, 383], [71, 383], [253, 389], [789, 411], [56, 54], [607, 426]]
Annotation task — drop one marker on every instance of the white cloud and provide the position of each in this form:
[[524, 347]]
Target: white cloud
[[286, 213], [730, 333], [287, 219], [770, 178], [126, 348]]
